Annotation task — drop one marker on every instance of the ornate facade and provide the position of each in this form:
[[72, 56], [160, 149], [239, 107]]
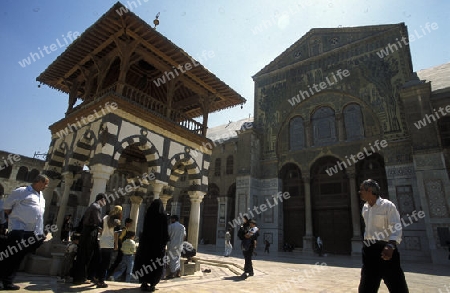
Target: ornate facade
[[330, 112]]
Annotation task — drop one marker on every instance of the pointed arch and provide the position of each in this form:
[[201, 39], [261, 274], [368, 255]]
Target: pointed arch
[[149, 151], [181, 161]]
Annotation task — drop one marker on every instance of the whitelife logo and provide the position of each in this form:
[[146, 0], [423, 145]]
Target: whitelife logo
[[86, 120], [36, 56], [323, 85], [334, 170], [393, 47], [422, 123], [187, 66]]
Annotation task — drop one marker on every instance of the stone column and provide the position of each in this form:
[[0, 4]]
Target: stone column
[[100, 175], [308, 130], [68, 181], [341, 126], [165, 198], [222, 220], [134, 213], [157, 189], [354, 203], [48, 195], [14, 170], [194, 218], [308, 238]]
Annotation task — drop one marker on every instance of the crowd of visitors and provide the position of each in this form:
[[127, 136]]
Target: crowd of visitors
[[98, 241]]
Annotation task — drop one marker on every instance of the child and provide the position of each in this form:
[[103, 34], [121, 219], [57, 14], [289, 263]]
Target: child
[[127, 263], [69, 257], [253, 231]]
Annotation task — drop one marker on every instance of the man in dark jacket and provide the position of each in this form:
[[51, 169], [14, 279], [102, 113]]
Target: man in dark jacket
[[248, 247], [92, 223]]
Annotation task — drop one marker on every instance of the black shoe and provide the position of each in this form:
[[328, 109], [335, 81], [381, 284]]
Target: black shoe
[[102, 285], [244, 276], [11, 287], [145, 287], [251, 274]]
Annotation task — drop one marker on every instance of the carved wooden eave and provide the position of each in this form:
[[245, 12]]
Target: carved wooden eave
[[104, 47]]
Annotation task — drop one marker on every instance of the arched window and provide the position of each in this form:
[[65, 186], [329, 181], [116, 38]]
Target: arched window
[[6, 171], [324, 126], [22, 174], [217, 167], [354, 127], [296, 134], [444, 131], [230, 165]]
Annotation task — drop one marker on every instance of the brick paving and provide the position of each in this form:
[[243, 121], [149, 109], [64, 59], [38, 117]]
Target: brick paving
[[277, 272]]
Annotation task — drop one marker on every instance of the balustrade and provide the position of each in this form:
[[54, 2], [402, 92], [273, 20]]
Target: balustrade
[[146, 101]]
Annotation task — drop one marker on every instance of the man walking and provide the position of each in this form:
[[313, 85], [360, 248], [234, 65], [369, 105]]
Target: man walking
[[25, 209], [383, 233], [248, 247], [92, 224], [177, 232]]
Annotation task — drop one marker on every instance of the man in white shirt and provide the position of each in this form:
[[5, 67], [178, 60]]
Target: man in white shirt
[[383, 233], [25, 209], [177, 232]]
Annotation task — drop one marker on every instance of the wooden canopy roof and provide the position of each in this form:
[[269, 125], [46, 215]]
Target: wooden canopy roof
[[153, 55]]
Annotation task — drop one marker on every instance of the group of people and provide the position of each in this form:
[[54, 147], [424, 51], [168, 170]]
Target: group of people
[[152, 257], [380, 256], [25, 209], [93, 260]]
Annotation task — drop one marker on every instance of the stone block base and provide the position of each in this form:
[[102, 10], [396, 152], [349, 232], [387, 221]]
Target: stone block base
[[189, 268], [38, 265]]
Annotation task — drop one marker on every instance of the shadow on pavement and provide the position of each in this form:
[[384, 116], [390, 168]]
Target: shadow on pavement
[[234, 278]]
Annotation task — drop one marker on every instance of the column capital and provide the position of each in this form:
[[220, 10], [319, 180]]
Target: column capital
[[158, 186], [306, 178], [351, 175], [101, 171], [165, 198], [196, 196], [136, 199]]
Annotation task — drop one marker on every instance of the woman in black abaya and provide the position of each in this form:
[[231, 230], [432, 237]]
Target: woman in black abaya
[[151, 250]]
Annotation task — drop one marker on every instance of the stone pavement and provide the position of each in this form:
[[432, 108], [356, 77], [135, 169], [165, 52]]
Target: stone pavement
[[277, 272]]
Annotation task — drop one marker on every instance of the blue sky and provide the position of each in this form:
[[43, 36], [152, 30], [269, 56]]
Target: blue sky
[[228, 28]]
